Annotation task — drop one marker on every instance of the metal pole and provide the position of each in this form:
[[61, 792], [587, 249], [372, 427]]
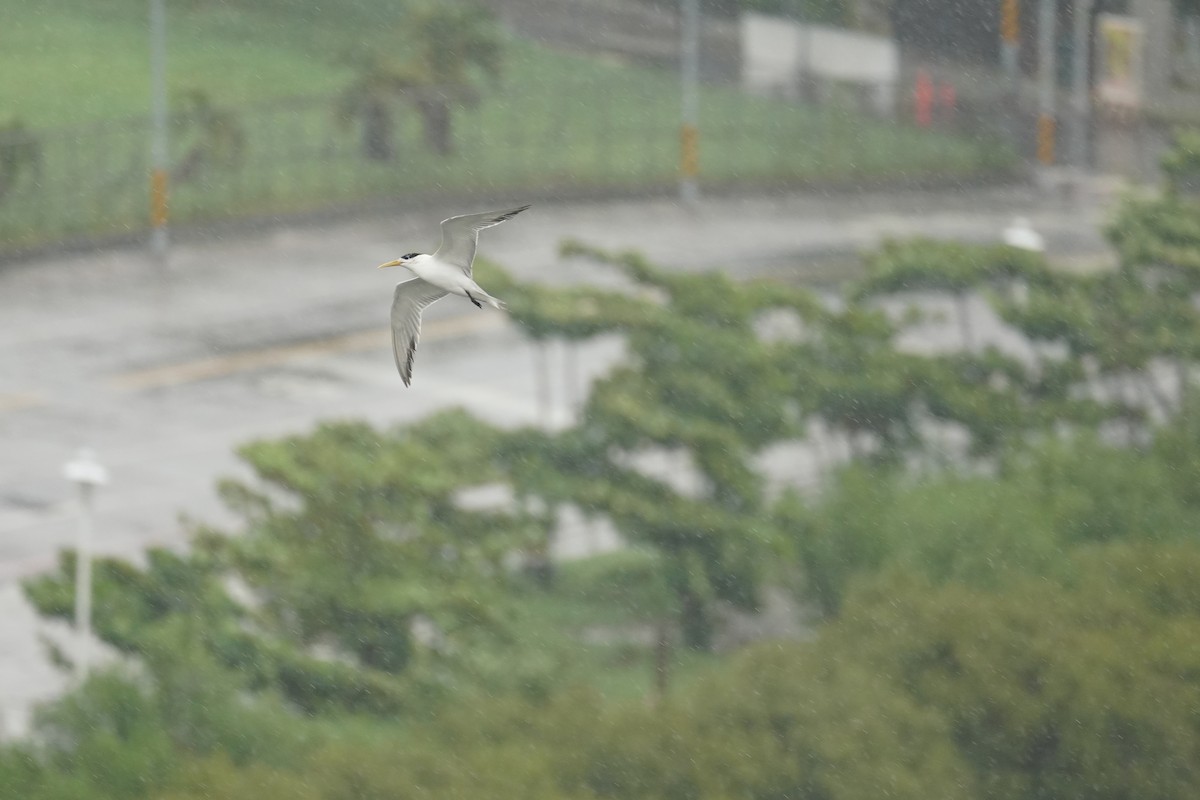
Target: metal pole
[[689, 131], [1010, 40], [86, 473], [541, 366], [158, 132], [1081, 85], [1047, 64], [83, 581], [571, 392]]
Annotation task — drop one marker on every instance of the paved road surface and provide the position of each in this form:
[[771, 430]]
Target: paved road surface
[[263, 335]]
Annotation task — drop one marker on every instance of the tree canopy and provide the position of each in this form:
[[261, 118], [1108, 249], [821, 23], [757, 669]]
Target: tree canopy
[[1016, 617]]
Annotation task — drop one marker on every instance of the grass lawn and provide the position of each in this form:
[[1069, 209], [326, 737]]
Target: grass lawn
[[590, 623], [600, 617], [553, 121], [72, 61]]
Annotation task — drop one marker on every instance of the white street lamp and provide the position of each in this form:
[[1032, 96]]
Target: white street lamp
[[87, 473]]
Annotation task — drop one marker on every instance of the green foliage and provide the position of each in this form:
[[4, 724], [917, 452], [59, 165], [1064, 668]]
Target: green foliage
[[1177, 447], [777, 722], [948, 528], [379, 544], [1023, 627], [1161, 232], [218, 778], [215, 136], [368, 585], [1079, 687], [629, 581], [20, 155], [556, 120], [811, 726], [118, 735], [451, 47], [701, 383], [984, 531], [1181, 164], [1091, 492], [106, 739], [996, 397], [128, 601], [21, 772], [921, 264], [853, 378], [456, 44], [1048, 692]]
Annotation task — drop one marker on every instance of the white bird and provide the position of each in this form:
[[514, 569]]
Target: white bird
[[1022, 235], [447, 271]]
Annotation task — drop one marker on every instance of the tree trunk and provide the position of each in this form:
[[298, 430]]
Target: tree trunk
[[438, 129], [695, 621], [662, 662], [965, 330], [377, 132]]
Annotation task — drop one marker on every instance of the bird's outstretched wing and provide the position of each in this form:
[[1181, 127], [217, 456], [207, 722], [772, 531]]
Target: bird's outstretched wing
[[408, 301], [461, 234]]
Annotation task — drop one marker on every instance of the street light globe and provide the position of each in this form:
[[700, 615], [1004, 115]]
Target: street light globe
[[1021, 234], [85, 469]]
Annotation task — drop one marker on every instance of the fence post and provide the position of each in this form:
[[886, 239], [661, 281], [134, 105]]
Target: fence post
[[689, 132], [158, 138], [1047, 66]]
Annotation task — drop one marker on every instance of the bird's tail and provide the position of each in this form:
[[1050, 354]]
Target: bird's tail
[[487, 298], [477, 292]]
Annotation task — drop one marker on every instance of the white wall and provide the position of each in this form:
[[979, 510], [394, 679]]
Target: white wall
[[777, 53]]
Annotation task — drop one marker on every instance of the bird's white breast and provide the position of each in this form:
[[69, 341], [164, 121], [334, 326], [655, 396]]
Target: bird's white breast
[[439, 273]]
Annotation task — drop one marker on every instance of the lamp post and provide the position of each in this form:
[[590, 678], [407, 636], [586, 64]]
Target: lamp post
[[87, 473]]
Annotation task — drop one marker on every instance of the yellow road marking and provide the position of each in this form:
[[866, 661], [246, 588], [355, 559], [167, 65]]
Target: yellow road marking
[[19, 401], [220, 366]]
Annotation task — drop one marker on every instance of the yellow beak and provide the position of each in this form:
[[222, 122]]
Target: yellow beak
[[398, 262]]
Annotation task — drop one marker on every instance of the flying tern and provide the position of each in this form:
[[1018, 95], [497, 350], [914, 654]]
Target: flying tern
[[447, 271]]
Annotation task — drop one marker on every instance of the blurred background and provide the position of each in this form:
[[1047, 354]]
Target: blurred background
[[839, 439]]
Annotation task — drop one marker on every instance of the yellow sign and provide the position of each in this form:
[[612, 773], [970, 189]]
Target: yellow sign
[[1119, 44]]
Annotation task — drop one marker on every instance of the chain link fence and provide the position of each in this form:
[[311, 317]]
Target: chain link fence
[[315, 153]]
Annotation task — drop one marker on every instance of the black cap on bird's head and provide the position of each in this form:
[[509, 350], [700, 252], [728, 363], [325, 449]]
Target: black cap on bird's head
[[399, 262]]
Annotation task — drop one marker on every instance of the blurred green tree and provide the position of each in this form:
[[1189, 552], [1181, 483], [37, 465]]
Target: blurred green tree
[[213, 135], [703, 391], [20, 154], [360, 579], [983, 530], [998, 398], [445, 49], [1076, 690]]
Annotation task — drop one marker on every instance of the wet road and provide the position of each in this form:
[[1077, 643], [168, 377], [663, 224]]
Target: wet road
[[264, 335]]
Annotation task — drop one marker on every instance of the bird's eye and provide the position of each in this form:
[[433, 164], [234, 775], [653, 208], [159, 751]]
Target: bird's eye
[[407, 256]]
